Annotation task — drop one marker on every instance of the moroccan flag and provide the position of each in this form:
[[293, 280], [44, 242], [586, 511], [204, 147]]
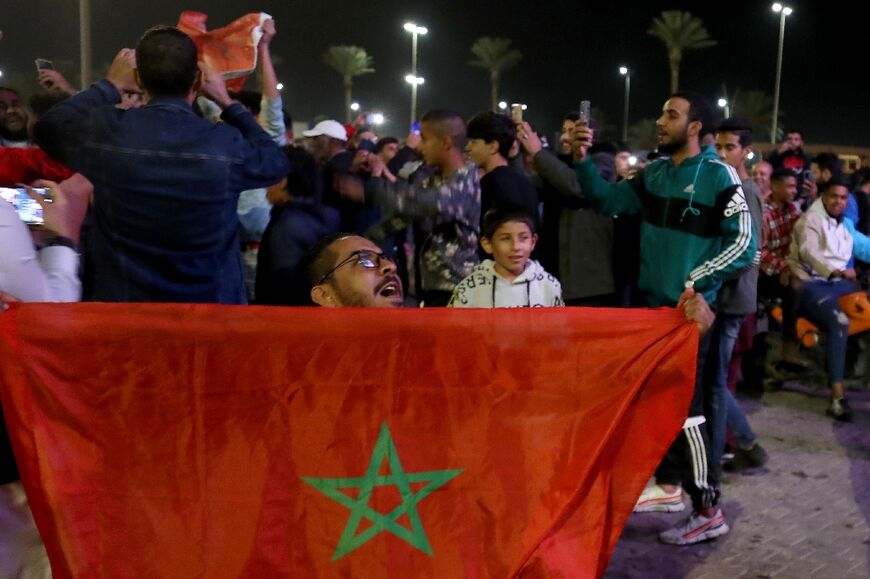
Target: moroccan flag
[[231, 50], [220, 441]]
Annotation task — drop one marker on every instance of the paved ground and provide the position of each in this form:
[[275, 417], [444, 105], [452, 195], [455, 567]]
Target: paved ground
[[805, 514]]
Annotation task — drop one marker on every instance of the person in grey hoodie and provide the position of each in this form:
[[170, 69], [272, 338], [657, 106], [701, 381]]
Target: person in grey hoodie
[[511, 279], [737, 299]]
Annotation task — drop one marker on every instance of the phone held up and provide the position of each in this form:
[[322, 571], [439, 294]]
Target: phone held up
[[43, 64], [584, 112], [517, 113], [29, 211]]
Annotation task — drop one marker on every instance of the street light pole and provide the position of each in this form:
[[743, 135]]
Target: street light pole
[[623, 70], [414, 30], [414, 72], [783, 12], [85, 41], [413, 81]]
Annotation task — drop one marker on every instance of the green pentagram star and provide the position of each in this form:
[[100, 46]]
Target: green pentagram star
[[359, 507]]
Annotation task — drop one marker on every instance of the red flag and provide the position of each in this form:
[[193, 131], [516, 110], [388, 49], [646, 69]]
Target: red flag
[[220, 441], [231, 50]]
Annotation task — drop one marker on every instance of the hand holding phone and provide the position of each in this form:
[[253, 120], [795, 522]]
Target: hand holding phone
[[54, 80], [529, 139], [582, 133], [413, 140]]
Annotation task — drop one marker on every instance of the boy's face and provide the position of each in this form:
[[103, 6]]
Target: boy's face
[[730, 150], [432, 146], [479, 151], [784, 189], [510, 247]]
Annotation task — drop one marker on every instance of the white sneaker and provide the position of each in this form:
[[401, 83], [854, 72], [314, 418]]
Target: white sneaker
[[696, 529], [655, 499]]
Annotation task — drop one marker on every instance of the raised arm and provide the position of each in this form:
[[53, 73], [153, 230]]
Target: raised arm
[[606, 198], [59, 130], [271, 107]]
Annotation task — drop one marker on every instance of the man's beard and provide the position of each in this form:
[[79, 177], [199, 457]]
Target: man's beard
[[675, 144], [20, 135], [352, 299]]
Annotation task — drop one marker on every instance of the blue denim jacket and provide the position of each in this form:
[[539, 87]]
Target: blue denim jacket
[[166, 187]]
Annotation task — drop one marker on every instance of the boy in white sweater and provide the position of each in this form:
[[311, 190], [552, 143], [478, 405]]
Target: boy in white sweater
[[511, 279]]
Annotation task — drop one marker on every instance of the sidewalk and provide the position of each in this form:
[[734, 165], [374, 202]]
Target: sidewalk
[[804, 515]]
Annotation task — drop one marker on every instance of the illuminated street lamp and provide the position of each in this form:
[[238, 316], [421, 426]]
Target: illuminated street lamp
[[783, 12], [354, 107], [723, 104], [502, 106], [623, 70], [414, 30]]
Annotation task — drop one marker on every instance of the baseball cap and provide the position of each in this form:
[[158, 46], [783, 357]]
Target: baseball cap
[[332, 129]]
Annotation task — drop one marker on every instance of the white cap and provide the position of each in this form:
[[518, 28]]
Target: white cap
[[332, 129]]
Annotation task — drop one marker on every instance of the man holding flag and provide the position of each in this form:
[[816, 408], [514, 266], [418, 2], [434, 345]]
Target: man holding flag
[[696, 232]]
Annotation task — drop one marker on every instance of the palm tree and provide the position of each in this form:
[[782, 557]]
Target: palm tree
[[604, 129], [496, 56], [348, 61], [756, 106], [643, 135], [679, 31]]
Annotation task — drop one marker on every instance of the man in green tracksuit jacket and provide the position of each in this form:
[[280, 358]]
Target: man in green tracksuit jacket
[[696, 232]]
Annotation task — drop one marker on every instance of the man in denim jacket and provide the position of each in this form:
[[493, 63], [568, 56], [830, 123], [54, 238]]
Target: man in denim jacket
[[166, 182]]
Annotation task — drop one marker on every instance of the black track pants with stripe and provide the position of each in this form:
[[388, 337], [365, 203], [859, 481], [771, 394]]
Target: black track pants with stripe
[[687, 461]]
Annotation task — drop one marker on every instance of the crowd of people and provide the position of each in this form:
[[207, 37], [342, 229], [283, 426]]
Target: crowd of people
[[162, 186]]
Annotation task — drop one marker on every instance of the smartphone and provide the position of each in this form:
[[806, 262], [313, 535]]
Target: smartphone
[[43, 64], [29, 211], [415, 127], [809, 176], [584, 112], [517, 113]]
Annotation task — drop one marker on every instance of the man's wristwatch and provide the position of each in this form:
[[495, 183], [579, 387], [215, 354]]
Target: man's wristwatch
[[60, 240]]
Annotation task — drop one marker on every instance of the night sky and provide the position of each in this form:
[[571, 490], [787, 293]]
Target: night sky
[[571, 51]]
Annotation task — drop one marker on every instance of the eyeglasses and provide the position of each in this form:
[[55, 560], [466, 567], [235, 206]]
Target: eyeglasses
[[365, 257]]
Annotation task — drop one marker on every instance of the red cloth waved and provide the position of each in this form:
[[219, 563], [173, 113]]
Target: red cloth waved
[[225, 441]]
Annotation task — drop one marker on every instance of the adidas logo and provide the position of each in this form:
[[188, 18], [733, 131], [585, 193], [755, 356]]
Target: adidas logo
[[736, 204]]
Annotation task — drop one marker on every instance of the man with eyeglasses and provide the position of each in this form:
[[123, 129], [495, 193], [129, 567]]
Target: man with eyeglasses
[[346, 270]]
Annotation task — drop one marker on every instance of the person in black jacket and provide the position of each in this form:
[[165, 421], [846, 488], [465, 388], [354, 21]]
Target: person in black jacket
[[490, 139], [298, 220]]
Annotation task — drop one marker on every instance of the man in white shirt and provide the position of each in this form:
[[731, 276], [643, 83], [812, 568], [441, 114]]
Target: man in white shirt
[[49, 275]]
